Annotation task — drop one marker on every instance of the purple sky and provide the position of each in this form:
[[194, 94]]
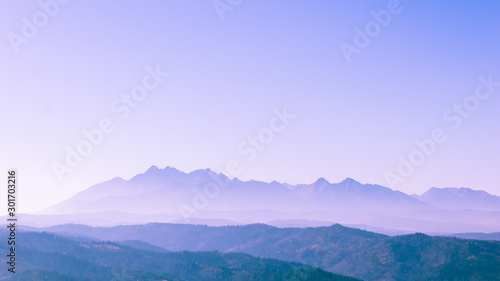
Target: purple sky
[[227, 76]]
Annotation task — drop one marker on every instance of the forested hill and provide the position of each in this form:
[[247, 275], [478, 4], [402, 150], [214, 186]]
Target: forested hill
[[338, 249], [44, 256]]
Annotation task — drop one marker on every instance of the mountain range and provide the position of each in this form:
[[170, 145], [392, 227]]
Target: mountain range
[[203, 196], [341, 250], [44, 256]]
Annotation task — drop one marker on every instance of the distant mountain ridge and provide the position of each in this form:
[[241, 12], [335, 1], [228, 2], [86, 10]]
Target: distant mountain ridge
[[460, 198], [170, 183], [368, 196], [479, 236], [204, 194]]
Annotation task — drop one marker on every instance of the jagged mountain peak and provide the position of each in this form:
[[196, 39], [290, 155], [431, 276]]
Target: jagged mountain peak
[[350, 181], [200, 172], [168, 188], [152, 169], [155, 170], [321, 181]]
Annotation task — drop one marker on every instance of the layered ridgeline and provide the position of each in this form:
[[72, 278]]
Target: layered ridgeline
[[337, 249], [43, 256], [202, 196]]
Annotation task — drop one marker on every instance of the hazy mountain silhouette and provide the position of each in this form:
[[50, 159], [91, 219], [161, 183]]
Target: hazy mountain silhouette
[[460, 198], [206, 197], [161, 191], [352, 195]]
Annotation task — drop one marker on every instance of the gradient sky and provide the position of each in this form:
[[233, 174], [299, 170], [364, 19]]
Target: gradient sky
[[226, 77]]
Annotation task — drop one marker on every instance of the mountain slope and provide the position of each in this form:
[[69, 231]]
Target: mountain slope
[[341, 250], [159, 191], [352, 195], [203, 196], [44, 256], [460, 198]]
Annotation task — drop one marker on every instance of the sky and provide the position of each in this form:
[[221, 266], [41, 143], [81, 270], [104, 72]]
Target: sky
[[396, 93]]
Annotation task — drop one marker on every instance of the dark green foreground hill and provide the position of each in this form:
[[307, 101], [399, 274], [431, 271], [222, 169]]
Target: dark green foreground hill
[[44, 256], [338, 249]]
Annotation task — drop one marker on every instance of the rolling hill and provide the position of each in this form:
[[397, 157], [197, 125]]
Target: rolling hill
[[44, 256], [337, 249]]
